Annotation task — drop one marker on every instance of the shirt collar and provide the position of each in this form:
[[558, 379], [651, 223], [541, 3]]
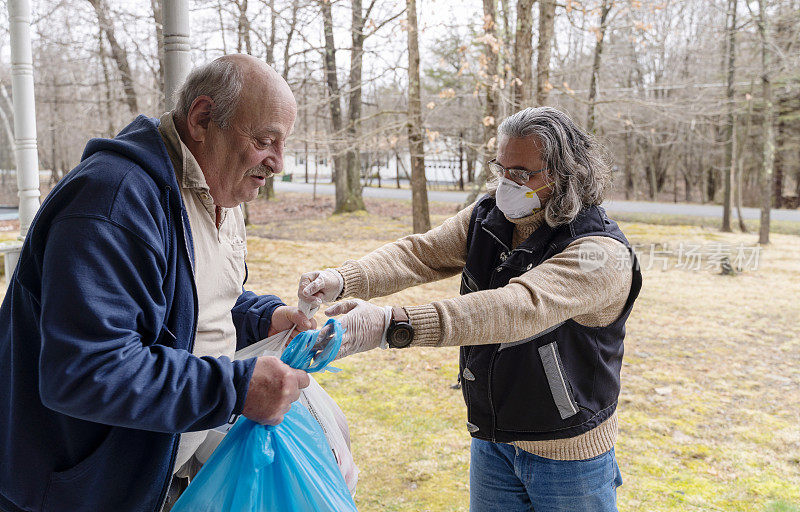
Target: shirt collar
[[187, 170]]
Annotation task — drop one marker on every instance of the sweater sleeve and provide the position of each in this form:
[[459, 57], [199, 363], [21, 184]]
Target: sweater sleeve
[[557, 290], [411, 260]]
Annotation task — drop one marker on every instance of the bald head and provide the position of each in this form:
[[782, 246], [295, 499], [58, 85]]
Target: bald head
[[264, 84], [234, 115], [224, 79]]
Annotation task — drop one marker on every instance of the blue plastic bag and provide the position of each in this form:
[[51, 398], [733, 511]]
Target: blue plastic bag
[[288, 467]]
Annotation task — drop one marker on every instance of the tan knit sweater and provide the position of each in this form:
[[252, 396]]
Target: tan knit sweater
[[555, 291]]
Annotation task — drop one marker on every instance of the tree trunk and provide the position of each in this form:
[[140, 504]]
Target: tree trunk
[[598, 52], [547, 16], [784, 111], [158, 21], [730, 164], [244, 43], [711, 184], [470, 164], [289, 36], [419, 190], [703, 179], [6, 116], [305, 131], [398, 163], [329, 64], [768, 156], [269, 57], [118, 53], [490, 112], [651, 181], [109, 111], [506, 57], [461, 161], [221, 27], [269, 54], [630, 184], [354, 201], [736, 151], [523, 54]]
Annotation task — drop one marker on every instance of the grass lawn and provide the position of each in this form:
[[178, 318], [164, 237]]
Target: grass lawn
[[710, 403]]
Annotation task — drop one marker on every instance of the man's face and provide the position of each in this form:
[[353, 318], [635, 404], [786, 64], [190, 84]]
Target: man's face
[[241, 157], [524, 153]]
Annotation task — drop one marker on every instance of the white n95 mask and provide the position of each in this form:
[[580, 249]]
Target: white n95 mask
[[517, 201]]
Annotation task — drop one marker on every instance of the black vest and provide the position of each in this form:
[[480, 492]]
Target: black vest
[[554, 384]]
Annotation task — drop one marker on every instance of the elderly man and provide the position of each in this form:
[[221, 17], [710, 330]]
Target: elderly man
[[547, 284], [119, 327]]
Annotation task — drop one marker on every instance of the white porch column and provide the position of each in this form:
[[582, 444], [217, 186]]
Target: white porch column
[[176, 47], [19, 16]]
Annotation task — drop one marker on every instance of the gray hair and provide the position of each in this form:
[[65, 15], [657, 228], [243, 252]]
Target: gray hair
[[576, 162], [222, 80]]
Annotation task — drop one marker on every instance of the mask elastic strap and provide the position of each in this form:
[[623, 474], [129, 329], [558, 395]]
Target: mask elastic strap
[[544, 186]]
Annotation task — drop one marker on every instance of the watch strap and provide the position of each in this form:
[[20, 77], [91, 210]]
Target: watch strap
[[399, 314]]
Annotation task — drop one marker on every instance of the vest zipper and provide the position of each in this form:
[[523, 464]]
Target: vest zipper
[[493, 236], [491, 402]]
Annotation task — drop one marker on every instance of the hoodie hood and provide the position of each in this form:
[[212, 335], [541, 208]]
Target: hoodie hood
[[141, 143]]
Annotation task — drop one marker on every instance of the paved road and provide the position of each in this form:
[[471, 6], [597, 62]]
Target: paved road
[[695, 210], [8, 213]]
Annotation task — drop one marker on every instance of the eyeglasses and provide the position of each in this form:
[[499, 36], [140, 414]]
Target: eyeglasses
[[519, 175]]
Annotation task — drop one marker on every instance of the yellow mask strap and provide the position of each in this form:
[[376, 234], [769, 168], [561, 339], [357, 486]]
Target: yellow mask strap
[[544, 186]]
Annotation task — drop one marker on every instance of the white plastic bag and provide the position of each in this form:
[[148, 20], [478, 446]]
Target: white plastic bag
[[319, 403], [334, 424]]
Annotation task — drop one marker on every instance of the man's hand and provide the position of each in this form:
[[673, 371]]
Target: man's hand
[[365, 325], [320, 286], [273, 387], [284, 317]]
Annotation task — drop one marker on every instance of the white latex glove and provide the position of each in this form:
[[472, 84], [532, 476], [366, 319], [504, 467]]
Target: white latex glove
[[320, 286], [365, 325]]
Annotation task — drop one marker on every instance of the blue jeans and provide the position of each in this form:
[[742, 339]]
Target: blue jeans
[[503, 478]]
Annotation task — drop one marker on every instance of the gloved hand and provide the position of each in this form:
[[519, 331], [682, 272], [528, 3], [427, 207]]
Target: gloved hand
[[365, 325], [320, 286]]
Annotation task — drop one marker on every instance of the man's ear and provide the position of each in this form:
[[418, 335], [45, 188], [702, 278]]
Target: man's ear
[[199, 117]]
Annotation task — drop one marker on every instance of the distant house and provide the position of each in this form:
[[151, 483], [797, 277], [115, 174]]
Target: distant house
[[442, 165]]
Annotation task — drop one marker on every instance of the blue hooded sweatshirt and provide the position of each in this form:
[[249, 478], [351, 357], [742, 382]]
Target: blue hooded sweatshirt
[[96, 332]]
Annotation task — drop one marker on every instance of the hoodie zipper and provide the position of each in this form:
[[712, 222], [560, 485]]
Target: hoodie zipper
[[165, 488]]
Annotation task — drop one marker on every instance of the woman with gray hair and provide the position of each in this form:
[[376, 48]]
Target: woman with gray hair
[[547, 283]]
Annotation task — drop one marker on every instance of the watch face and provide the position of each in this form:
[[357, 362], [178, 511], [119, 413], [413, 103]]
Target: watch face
[[401, 335]]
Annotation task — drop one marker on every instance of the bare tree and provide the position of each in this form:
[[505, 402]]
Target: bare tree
[[730, 163], [547, 11], [354, 201], [598, 52], [292, 27], [768, 155], [334, 95], [419, 191], [158, 21], [523, 55], [106, 84], [269, 56], [490, 109], [118, 53]]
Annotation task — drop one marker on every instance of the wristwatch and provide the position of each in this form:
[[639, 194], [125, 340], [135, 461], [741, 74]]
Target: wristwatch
[[400, 332]]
